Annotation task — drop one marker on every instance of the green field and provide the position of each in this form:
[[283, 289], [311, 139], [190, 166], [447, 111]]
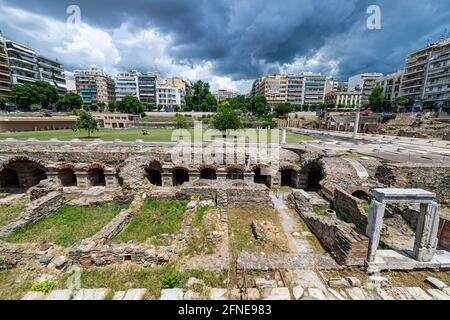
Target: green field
[[154, 219], [67, 225], [12, 211], [155, 135]]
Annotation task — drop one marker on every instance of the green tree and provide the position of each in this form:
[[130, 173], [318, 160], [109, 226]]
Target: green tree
[[131, 104], [2, 103], [86, 122], [226, 119], [201, 98], [283, 109], [70, 101], [403, 101], [25, 95], [376, 99], [48, 94], [113, 106], [181, 122], [258, 105]]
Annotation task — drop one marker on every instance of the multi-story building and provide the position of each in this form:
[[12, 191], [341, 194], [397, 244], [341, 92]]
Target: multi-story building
[[25, 65], [116, 120], [52, 71], [344, 99], [5, 71], [437, 84], [255, 88], [331, 84], [147, 83], [313, 89], [298, 90], [364, 83], [168, 96], [391, 86], [71, 85], [342, 87], [22, 62], [127, 85], [427, 76], [222, 95], [95, 86]]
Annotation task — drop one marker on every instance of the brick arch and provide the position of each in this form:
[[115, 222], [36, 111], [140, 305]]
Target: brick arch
[[360, 192], [259, 166], [180, 168], [288, 166], [231, 167], [313, 173], [40, 164], [132, 173], [207, 166], [94, 166], [66, 166]]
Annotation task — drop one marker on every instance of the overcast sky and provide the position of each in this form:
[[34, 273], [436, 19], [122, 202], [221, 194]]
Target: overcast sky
[[228, 43]]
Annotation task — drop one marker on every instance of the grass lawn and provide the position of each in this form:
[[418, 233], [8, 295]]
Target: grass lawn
[[12, 211], [15, 283], [67, 225], [154, 219], [155, 135]]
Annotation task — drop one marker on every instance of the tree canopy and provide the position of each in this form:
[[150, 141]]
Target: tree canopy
[[201, 98], [86, 121], [70, 101], [130, 104], [39, 92], [376, 99], [225, 119]]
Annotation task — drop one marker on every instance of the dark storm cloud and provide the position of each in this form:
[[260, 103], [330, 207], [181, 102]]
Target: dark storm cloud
[[244, 38]]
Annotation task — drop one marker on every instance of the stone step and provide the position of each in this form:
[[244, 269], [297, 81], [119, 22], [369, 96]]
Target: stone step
[[91, 294], [33, 295], [438, 294], [60, 295], [277, 294], [418, 293], [314, 294], [171, 294], [361, 294]]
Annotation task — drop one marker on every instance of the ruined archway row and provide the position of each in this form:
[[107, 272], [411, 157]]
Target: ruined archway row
[[26, 172]]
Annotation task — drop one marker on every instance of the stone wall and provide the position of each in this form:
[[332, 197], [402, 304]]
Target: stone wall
[[430, 177], [351, 209], [346, 245], [90, 254], [35, 211], [116, 225]]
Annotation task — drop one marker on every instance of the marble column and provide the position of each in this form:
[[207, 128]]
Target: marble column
[[82, 180], [375, 223], [426, 240]]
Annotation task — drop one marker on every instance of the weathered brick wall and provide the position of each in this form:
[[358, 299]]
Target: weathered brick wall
[[35, 211], [351, 208], [346, 245], [430, 177]]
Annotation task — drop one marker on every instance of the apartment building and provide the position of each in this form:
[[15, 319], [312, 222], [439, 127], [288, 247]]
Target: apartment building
[[147, 83], [391, 86], [168, 96], [52, 71], [5, 71], [255, 88], [23, 65], [437, 84], [331, 84], [222, 95], [364, 83], [346, 99], [183, 84], [22, 62], [313, 89], [298, 90], [127, 85], [95, 86]]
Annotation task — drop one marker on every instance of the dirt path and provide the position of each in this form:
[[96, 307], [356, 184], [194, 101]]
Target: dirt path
[[297, 242]]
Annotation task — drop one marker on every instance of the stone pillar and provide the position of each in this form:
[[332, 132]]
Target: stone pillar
[[375, 223], [111, 180], [82, 180], [249, 176], [166, 179], [276, 180], [283, 136], [194, 175], [53, 175], [426, 240]]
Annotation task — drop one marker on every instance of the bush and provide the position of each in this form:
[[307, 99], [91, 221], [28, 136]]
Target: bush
[[44, 286], [171, 279]]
